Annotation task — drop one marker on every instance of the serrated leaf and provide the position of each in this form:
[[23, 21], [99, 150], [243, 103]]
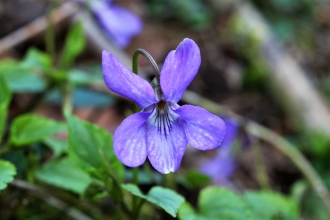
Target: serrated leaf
[[90, 147], [29, 128], [7, 173], [167, 199], [5, 97], [74, 44], [218, 203], [58, 146], [270, 205], [64, 174]]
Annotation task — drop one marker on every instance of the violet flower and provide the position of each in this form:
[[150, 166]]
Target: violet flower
[[222, 165], [162, 130], [119, 23]]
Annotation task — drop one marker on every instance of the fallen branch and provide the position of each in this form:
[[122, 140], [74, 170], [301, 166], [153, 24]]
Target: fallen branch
[[287, 81], [37, 26], [51, 200]]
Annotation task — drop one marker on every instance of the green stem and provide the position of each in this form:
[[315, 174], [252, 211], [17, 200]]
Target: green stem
[[149, 58], [260, 167], [136, 208], [67, 98], [49, 34], [4, 149], [148, 171], [296, 157], [156, 82], [169, 181], [135, 198], [114, 189], [136, 211]]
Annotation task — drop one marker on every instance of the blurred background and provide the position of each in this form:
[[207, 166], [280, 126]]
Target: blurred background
[[264, 61]]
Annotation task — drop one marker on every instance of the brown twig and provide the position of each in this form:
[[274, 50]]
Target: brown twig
[[51, 200]]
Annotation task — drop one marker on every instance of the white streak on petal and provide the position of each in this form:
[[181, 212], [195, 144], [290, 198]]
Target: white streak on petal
[[203, 130], [130, 141], [166, 141]]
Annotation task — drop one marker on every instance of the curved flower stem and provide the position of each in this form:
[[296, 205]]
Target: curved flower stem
[[149, 58], [156, 82], [275, 139], [136, 207]]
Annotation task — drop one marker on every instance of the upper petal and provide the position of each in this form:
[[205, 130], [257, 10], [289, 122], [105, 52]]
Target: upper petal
[[130, 140], [179, 69], [203, 129], [166, 141], [124, 82]]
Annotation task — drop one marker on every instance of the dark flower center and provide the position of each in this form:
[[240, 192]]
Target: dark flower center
[[161, 104]]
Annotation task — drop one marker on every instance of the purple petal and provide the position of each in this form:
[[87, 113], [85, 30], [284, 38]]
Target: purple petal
[[120, 24], [124, 82], [231, 133], [166, 142], [130, 140], [219, 168], [223, 164], [179, 69], [204, 130]]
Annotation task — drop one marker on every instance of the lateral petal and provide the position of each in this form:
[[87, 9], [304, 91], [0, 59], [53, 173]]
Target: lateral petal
[[166, 141], [204, 130], [179, 69], [121, 80], [130, 140]]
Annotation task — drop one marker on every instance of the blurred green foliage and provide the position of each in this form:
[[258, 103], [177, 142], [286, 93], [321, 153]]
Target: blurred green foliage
[[193, 13]]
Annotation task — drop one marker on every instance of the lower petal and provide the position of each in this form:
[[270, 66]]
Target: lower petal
[[165, 144], [130, 140], [204, 130]]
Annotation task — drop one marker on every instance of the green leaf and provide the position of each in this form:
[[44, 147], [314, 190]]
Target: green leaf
[[5, 97], [134, 189], [82, 78], [20, 78], [217, 203], [64, 174], [58, 146], [74, 44], [187, 212], [90, 147], [83, 97], [195, 179], [7, 173], [167, 199], [29, 128], [36, 59], [270, 205]]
